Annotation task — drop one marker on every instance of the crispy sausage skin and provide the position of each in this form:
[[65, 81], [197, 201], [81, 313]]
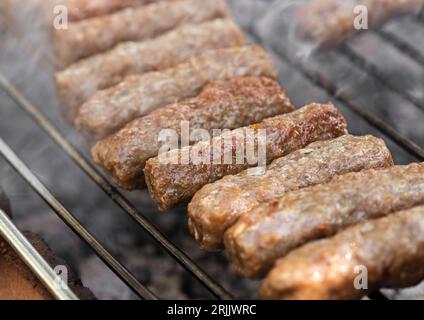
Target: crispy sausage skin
[[87, 37], [77, 83], [218, 206], [390, 248], [171, 182], [111, 109], [221, 105], [272, 230], [328, 22]]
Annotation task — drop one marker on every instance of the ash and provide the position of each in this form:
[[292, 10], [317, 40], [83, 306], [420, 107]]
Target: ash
[[25, 57]]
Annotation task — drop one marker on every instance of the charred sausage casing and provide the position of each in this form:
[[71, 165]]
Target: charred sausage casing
[[271, 230], [390, 248], [221, 105], [218, 206], [77, 83], [173, 182], [111, 109]]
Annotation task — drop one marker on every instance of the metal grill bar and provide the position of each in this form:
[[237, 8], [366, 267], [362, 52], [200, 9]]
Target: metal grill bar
[[216, 289], [350, 102], [72, 222], [402, 46], [34, 260], [375, 72]]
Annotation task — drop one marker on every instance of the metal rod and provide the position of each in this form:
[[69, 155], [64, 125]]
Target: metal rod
[[59, 289], [216, 289], [402, 46], [375, 72], [72, 222]]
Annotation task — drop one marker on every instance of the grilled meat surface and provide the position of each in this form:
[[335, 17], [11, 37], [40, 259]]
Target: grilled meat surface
[[272, 230], [173, 182], [390, 248], [77, 83], [221, 105], [218, 206], [111, 109]]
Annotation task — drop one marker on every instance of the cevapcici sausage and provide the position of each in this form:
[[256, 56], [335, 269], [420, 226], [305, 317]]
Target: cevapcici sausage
[[217, 206], [81, 80], [86, 37], [390, 248], [221, 105], [270, 231], [327, 22], [111, 109], [171, 182], [83, 9]]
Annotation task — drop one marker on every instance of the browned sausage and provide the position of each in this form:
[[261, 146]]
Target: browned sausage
[[86, 37], [259, 238], [221, 105], [218, 206], [170, 184], [390, 250], [81, 80], [111, 109]]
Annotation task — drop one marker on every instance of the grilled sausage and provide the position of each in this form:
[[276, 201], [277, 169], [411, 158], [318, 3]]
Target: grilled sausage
[[327, 22], [111, 109], [83, 9], [221, 105], [391, 249], [81, 80], [270, 231], [217, 206], [175, 182], [87, 37]]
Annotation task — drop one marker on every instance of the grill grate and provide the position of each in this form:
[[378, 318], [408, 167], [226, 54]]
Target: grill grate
[[317, 78], [72, 222], [401, 45], [320, 80], [375, 72], [110, 190]]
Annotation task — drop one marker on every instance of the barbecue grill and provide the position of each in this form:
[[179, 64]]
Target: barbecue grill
[[375, 78]]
